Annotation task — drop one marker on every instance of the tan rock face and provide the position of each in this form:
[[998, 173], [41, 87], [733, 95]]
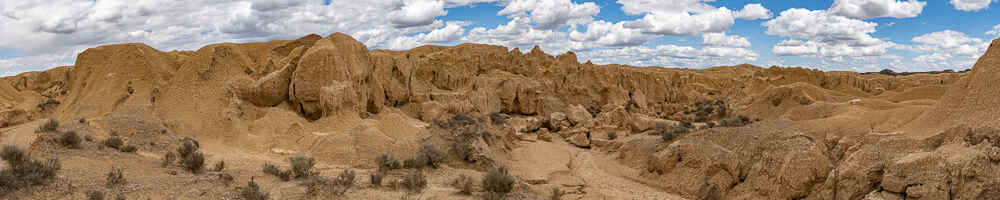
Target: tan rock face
[[272, 89], [333, 88], [337, 59], [580, 139]]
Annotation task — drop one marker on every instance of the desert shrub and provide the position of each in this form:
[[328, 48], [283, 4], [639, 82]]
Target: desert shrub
[[95, 195], [70, 139], [498, 181], [115, 177], [457, 120], [376, 178], [387, 163], [24, 171], [346, 177], [557, 194], [219, 166], [129, 149], [194, 162], [430, 155], [464, 184], [188, 147], [413, 163], [498, 118], [415, 180], [49, 126], [114, 142], [13, 155], [271, 169], [464, 145], [285, 175], [301, 166], [252, 192], [735, 121], [668, 132], [318, 185], [48, 104], [168, 158]]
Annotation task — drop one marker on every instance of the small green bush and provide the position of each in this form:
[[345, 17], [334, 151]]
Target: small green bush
[[346, 177], [376, 178], [302, 166], [252, 192], [219, 166], [415, 181], [188, 147], [464, 145], [49, 126], [735, 121], [168, 157], [387, 163], [13, 155], [95, 195], [498, 181], [414, 163], [194, 162], [669, 133], [129, 149], [322, 186], [430, 156], [114, 142], [115, 177], [70, 139], [285, 175], [464, 184], [271, 169], [24, 171]]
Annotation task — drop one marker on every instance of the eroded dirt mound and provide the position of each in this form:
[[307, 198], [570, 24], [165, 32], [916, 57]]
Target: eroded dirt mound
[[663, 133]]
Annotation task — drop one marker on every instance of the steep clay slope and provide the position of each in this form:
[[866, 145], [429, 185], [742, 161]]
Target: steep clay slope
[[332, 98]]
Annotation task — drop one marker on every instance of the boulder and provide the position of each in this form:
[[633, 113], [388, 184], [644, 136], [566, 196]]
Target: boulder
[[640, 123], [525, 124], [558, 121], [271, 89], [578, 115], [336, 59], [580, 139]]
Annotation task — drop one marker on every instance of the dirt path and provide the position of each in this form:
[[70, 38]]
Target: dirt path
[[608, 179]]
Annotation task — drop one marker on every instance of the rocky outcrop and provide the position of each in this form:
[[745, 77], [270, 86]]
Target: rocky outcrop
[[337, 62]]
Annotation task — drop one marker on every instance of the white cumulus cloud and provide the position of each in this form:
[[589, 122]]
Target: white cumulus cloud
[[971, 5], [995, 31], [867, 9], [947, 49], [723, 40], [417, 13], [552, 14], [753, 11]]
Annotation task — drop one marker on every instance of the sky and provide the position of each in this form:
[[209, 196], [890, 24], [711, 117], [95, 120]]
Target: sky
[[847, 35]]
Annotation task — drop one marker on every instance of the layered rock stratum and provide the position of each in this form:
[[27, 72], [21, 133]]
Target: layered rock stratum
[[591, 130]]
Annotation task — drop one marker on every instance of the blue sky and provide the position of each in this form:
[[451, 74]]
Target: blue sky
[[854, 35]]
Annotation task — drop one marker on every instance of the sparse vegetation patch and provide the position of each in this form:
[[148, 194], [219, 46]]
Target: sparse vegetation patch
[[24, 171]]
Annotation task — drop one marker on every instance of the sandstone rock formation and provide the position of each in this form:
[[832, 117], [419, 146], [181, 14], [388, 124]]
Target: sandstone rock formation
[[816, 135]]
